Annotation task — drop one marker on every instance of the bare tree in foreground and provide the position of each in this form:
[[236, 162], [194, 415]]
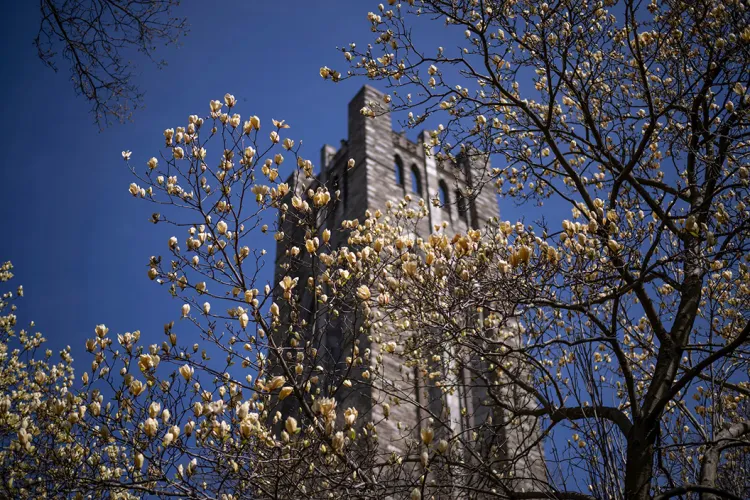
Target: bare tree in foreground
[[96, 38]]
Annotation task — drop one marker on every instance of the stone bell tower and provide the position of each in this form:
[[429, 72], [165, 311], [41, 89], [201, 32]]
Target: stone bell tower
[[388, 167]]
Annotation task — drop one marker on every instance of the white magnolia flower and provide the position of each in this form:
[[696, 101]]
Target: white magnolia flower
[[291, 425], [187, 372], [150, 426], [363, 292]]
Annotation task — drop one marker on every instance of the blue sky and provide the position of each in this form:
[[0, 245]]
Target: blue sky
[[79, 242]]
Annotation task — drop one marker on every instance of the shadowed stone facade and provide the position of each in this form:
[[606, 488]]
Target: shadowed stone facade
[[389, 166]]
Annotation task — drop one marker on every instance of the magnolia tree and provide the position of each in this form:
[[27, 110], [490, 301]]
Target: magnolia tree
[[634, 116]]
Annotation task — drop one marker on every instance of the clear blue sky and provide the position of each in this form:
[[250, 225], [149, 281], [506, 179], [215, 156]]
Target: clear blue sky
[[80, 243]]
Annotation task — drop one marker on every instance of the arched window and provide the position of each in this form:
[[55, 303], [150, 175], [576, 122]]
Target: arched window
[[416, 182], [463, 208], [399, 171], [443, 195]]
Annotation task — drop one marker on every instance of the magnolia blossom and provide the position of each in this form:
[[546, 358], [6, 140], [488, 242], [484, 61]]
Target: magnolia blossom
[[187, 372], [246, 428], [221, 227], [427, 434], [198, 409], [168, 438], [350, 416], [137, 387], [276, 382], [154, 408], [150, 427], [148, 362], [185, 310], [338, 441], [171, 435], [126, 155], [363, 292], [291, 425], [442, 446], [243, 410], [284, 392], [101, 331], [311, 245]]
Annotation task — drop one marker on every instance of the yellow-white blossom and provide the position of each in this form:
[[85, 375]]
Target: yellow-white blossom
[[150, 427], [187, 372], [363, 292]]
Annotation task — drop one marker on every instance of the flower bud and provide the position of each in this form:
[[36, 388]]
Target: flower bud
[[427, 434], [284, 392], [291, 425]]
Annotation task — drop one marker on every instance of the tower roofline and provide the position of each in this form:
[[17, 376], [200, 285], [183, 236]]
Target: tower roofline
[[367, 87]]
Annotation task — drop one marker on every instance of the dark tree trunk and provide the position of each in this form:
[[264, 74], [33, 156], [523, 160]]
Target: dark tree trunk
[[640, 463]]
